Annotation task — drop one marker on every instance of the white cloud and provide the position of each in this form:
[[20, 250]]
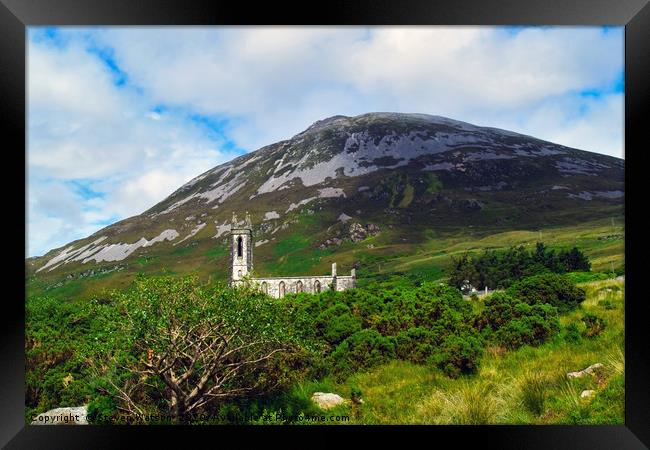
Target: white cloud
[[269, 83], [280, 79], [83, 127]]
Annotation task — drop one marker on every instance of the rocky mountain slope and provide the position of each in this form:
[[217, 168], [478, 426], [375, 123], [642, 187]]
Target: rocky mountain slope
[[378, 179]]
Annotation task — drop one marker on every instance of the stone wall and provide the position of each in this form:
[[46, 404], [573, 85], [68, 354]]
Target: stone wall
[[307, 284], [291, 284], [345, 282]]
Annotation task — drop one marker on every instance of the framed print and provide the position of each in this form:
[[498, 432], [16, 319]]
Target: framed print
[[379, 217]]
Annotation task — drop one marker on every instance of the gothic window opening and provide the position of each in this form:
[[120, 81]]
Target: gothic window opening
[[265, 287], [240, 247], [281, 289], [239, 274], [299, 286], [317, 286]]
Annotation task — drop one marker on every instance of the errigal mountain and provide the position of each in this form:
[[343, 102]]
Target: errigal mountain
[[362, 191]]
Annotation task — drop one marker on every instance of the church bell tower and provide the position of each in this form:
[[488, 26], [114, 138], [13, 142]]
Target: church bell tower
[[241, 248]]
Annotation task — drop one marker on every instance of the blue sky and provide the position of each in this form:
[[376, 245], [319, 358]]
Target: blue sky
[[120, 117]]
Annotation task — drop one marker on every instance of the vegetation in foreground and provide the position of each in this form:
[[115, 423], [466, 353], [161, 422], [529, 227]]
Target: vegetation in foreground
[[415, 353]]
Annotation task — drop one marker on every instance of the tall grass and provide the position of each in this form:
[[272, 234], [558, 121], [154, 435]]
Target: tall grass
[[615, 361], [471, 403], [534, 387]]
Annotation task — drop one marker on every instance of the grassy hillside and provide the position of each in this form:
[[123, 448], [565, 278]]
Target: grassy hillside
[[425, 255]]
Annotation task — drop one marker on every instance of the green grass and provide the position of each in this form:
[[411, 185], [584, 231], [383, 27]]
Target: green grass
[[290, 244], [183, 251], [217, 252], [434, 184], [408, 196]]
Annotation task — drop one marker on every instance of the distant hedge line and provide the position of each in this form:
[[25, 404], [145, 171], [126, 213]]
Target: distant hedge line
[[499, 269]]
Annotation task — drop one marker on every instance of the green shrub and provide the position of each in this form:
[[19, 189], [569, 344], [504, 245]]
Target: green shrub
[[201, 333], [529, 330], [362, 350], [607, 304], [340, 327], [415, 344], [102, 410], [554, 289], [355, 394], [571, 333], [513, 323], [499, 309], [459, 354]]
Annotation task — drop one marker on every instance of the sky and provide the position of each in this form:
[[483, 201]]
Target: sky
[[120, 117]]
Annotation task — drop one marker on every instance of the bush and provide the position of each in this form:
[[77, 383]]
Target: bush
[[337, 323], [203, 335], [459, 354], [607, 304], [362, 350], [513, 323], [415, 344], [499, 309], [101, 410], [595, 325], [556, 290], [571, 333], [355, 394], [528, 330]]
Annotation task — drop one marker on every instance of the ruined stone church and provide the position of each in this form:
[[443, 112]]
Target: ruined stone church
[[241, 251]]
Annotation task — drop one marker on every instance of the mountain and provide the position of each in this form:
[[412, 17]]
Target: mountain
[[373, 187]]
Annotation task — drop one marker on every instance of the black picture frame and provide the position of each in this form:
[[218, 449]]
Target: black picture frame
[[16, 15]]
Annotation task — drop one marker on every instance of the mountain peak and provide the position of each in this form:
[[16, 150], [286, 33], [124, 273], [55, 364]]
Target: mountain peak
[[382, 167], [390, 117], [320, 124]]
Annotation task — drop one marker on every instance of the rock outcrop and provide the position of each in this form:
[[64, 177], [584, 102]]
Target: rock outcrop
[[591, 370], [588, 393], [327, 400], [73, 415]]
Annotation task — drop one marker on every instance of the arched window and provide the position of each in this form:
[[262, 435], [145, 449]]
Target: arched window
[[281, 289], [240, 247], [265, 287], [239, 274], [317, 286], [299, 286]]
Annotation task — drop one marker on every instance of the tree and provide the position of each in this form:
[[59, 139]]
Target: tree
[[501, 269], [575, 260], [463, 268], [183, 345]]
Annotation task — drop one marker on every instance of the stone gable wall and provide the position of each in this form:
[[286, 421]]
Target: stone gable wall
[[345, 282]]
